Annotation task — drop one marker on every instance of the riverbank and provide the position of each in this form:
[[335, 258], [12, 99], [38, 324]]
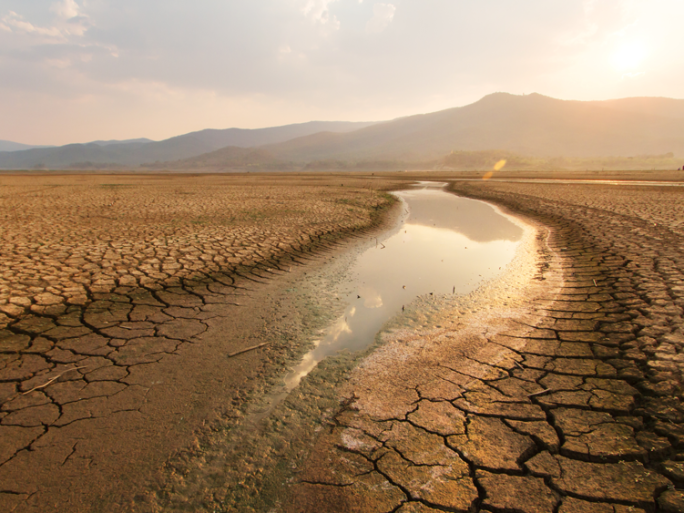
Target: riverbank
[[567, 399], [126, 302], [242, 467]]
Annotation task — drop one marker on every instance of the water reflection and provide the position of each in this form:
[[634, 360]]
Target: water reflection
[[446, 245], [476, 220]]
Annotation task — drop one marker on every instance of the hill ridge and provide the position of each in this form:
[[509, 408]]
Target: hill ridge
[[531, 125]]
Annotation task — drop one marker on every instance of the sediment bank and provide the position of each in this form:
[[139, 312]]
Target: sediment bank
[[122, 298], [567, 399]]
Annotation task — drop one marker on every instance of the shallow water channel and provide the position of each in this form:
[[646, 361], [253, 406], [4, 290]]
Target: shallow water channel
[[444, 244], [579, 181]]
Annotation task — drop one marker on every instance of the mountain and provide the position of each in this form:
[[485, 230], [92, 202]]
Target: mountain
[[142, 151], [71, 156], [15, 146], [528, 125], [127, 141], [248, 138], [667, 107], [229, 158]]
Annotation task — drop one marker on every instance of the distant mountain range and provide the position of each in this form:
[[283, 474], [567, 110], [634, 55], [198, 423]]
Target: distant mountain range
[[529, 125], [134, 152], [127, 141], [15, 146]]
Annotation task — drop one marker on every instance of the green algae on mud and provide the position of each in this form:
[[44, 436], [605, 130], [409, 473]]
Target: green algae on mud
[[222, 464], [243, 462]]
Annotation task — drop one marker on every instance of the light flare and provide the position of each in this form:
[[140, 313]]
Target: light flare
[[497, 167]]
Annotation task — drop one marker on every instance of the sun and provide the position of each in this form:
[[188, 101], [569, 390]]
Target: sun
[[629, 56]]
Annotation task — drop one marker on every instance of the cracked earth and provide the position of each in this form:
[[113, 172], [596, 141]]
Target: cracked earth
[[120, 296], [566, 398]]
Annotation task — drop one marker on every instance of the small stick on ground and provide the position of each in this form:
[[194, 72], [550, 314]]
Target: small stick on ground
[[518, 365], [49, 381], [594, 283], [251, 348], [539, 393]]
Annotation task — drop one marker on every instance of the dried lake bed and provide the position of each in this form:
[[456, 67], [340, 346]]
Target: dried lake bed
[[577, 343]]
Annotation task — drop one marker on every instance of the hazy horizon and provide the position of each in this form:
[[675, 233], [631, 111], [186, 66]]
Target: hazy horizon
[[84, 70]]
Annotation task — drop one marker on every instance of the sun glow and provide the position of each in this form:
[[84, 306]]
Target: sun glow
[[629, 56]]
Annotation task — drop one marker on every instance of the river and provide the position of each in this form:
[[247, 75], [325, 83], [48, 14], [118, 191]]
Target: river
[[443, 244]]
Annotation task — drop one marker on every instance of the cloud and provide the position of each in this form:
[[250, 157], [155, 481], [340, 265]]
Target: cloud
[[318, 12], [60, 42], [383, 14], [66, 9], [69, 22], [271, 62], [13, 22]]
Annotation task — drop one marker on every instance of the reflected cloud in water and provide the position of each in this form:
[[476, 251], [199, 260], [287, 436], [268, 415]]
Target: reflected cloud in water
[[371, 297], [321, 349], [476, 220], [446, 244]]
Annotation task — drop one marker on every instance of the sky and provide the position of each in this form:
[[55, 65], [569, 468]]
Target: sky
[[83, 70]]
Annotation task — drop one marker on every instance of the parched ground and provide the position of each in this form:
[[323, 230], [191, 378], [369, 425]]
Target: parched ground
[[566, 398], [121, 298], [69, 237], [124, 299]]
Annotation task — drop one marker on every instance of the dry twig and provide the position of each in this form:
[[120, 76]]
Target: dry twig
[[251, 348], [539, 393], [54, 379]]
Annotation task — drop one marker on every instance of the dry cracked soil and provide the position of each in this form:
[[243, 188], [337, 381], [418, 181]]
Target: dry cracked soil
[[121, 297], [566, 397], [559, 391]]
